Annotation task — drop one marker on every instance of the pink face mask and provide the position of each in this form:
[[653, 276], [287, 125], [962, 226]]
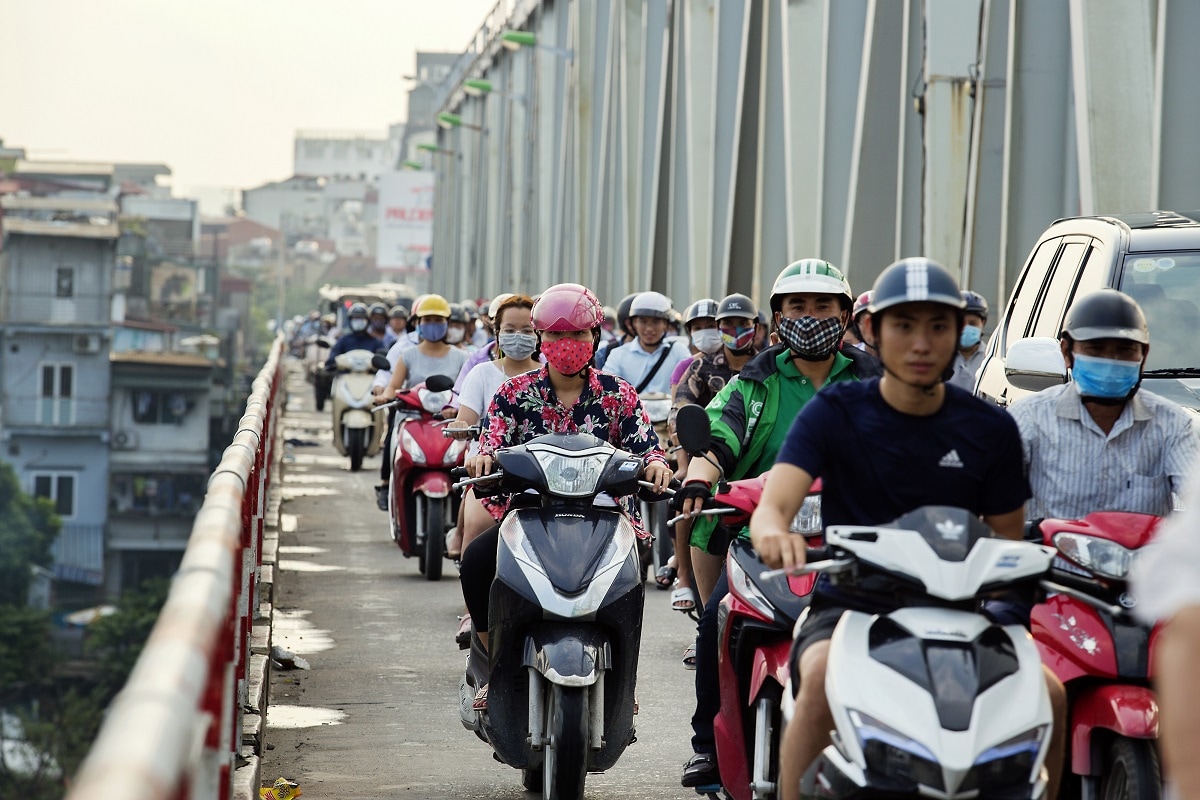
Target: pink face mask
[[568, 356]]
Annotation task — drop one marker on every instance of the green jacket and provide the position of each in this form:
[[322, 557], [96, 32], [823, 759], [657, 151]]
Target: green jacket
[[744, 412]]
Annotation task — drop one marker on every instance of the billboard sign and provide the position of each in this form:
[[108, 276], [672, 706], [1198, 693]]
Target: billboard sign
[[405, 227]]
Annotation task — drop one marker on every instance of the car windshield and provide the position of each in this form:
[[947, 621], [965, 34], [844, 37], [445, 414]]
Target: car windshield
[[1167, 287]]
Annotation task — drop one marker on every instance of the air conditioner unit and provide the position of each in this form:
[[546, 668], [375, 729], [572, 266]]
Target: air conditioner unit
[[125, 440], [87, 343]]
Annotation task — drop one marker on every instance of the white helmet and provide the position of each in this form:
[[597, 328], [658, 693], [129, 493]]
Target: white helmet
[[651, 304]]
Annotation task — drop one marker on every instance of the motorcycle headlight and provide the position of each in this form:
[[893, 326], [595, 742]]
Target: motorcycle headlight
[[808, 519], [741, 585], [358, 361], [571, 474], [434, 402], [455, 450], [1100, 556], [1008, 763], [890, 753], [411, 446]]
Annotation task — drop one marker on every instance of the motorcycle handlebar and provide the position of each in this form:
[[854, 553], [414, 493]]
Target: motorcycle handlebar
[[819, 559], [1084, 597], [449, 432]]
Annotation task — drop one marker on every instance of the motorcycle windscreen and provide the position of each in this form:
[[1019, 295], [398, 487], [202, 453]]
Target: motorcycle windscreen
[[570, 545], [950, 532], [954, 673]]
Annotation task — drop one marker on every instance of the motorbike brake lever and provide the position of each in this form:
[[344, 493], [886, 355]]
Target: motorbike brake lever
[[1084, 597], [707, 512], [828, 565], [465, 482], [448, 432]]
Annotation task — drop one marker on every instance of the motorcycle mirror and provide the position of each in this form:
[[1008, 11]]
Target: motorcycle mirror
[[439, 383], [379, 362], [693, 429], [323, 342]]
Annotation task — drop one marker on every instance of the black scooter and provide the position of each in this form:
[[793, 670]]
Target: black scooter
[[566, 613]]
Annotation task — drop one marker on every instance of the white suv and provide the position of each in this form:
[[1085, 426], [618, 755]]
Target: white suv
[[1153, 257]]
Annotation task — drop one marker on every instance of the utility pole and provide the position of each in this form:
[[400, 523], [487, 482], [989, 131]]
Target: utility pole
[[279, 283]]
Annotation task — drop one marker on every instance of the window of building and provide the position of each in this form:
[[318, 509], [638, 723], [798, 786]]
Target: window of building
[[64, 282], [155, 407], [156, 493], [57, 395], [57, 487]]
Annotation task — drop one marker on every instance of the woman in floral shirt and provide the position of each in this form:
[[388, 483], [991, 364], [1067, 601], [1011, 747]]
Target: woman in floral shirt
[[565, 396]]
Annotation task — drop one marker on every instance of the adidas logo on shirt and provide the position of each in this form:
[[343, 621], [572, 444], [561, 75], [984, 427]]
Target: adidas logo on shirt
[[952, 460]]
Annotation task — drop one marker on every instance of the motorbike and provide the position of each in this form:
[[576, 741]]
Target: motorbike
[[356, 427], [754, 632], [421, 507], [932, 699], [315, 349], [657, 552], [566, 613], [1101, 653]]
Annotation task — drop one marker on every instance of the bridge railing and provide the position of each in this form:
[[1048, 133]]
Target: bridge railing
[[174, 729]]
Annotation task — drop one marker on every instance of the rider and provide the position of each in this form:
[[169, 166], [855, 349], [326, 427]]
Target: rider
[[621, 334], [970, 344], [929, 444], [397, 328], [458, 324], [860, 324], [1127, 450], [810, 301], [648, 360], [565, 396], [359, 337], [412, 365]]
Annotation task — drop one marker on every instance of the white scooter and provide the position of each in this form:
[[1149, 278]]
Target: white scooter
[[933, 699], [357, 427]]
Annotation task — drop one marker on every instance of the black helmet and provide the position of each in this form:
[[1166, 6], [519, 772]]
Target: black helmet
[[377, 308], [976, 303], [1106, 314], [459, 314], [623, 312], [736, 305], [358, 311], [915, 280], [398, 311], [701, 309]]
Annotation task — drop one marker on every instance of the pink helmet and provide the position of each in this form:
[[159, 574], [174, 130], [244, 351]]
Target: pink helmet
[[567, 307]]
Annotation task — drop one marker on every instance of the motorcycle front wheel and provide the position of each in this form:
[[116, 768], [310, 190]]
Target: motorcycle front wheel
[[1132, 771], [565, 765], [356, 448], [435, 537]]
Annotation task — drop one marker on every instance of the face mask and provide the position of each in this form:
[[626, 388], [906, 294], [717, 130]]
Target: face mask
[[358, 325], [517, 346], [378, 326], [454, 335], [1105, 378], [432, 331], [970, 336], [707, 340], [740, 340], [568, 356], [810, 338]]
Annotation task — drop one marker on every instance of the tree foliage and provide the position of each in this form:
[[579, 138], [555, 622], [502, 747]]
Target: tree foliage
[[28, 527]]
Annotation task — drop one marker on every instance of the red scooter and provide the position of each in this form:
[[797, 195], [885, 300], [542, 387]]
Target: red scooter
[[754, 635], [421, 507], [1102, 654]]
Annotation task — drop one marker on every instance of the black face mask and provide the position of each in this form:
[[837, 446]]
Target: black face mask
[[810, 338]]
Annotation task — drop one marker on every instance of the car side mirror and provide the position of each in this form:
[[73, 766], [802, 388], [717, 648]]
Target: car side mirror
[[1035, 364], [693, 429]]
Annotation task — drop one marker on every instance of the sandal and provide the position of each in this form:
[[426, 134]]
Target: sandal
[[701, 770], [689, 656], [665, 577], [462, 637], [480, 703], [683, 598]]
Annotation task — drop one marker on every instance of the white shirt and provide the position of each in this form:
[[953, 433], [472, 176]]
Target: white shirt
[[478, 389], [632, 363], [966, 370], [1075, 468]]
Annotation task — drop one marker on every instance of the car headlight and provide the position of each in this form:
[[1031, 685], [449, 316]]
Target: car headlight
[[741, 585], [1102, 557], [808, 519], [891, 753], [571, 473], [411, 446]]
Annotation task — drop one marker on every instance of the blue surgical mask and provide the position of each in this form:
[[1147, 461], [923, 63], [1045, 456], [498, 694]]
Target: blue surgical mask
[[970, 336], [433, 331], [1106, 378]]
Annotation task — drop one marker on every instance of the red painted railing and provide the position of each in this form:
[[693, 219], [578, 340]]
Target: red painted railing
[[174, 729]]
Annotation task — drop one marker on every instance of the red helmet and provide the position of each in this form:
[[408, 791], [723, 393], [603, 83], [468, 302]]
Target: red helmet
[[567, 307]]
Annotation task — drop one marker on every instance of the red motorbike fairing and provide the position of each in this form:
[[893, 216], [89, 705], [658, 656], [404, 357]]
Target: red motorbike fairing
[[1073, 640], [431, 483], [1130, 711]]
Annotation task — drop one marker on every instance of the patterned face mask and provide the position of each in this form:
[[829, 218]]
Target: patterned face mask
[[740, 339], [810, 338], [568, 356]]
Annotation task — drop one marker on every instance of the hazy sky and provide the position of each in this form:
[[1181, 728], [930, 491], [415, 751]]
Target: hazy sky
[[215, 89]]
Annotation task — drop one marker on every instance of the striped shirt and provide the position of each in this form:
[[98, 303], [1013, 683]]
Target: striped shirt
[[1075, 468]]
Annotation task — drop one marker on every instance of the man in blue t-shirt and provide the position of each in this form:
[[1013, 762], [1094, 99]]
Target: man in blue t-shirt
[[882, 448]]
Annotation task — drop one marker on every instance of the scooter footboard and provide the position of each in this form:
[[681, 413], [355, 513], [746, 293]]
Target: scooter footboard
[[1129, 711]]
